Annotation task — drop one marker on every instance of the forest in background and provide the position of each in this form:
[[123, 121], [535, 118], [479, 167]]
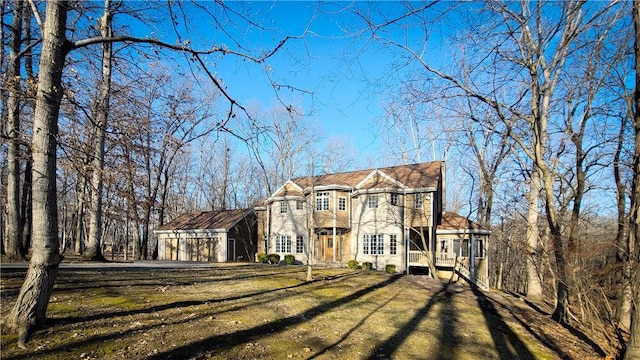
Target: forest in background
[[531, 104]]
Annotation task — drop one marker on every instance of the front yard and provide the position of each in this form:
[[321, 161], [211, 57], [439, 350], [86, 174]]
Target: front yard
[[266, 311]]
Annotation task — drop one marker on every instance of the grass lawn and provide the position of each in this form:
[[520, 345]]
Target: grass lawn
[[264, 311]]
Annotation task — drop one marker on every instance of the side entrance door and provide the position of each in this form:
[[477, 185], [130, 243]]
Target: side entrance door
[[231, 250]]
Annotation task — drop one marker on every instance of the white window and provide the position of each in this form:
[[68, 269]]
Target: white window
[[461, 247], [283, 244], [372, 201], [342, 203], [394, 199], [300, 205], [372, 244], [322, 201], [393, 244], [444, 249], [479, 248], [418, 201], [283, 207], [299, 244]]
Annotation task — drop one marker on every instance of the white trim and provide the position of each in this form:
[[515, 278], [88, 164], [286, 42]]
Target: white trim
[[191, 232], [463, 232], [421, 190], [308, 190], [376, 171], [283, 186], [288, 197], [374, 191]]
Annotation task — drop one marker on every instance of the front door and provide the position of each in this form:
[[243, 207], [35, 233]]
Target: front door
[[328, 248]]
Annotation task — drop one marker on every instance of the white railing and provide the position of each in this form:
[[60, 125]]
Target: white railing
[[421, 257], [418, 257], [444, 261], [478, 279]]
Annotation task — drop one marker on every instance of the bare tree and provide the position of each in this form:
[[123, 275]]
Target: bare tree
[[14, 224], [93, 250], [633, 347], [29, 310]]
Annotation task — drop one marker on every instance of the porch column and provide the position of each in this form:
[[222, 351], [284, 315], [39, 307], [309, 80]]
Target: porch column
[[335, 219], [334, 243], [472, 257]]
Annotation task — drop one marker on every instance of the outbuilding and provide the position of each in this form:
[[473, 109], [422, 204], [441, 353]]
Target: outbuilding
[[213, 236]]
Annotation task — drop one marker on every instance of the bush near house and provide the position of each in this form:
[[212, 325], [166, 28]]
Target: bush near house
[[289, 259], [273, 258], [263, 258], [390, 268], [367, 265], [352, 264]]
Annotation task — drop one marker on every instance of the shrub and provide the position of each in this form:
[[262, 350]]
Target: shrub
[[352, 264], [263, 258], [367, 265], [289, 259], [273, 258], [390, 268]]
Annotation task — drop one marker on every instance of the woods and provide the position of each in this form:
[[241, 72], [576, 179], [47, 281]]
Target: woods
[[110, 129]]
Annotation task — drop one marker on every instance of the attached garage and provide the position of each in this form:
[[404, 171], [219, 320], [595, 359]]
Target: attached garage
[[211, 236]]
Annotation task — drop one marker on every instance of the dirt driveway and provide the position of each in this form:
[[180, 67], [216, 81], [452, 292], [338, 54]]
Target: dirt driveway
[[263, 311]]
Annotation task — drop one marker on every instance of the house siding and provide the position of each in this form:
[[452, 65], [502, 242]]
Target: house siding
[[337, 236], [293, 224], [419, 217], [368, 221]]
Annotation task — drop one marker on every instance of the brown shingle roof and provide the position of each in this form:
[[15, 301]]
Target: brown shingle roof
[[205, 220], [453, 221], [421, 175]]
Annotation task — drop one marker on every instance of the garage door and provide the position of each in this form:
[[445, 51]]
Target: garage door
[[200, 249]]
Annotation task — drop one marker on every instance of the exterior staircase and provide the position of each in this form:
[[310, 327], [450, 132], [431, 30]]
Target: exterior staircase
[[465, 273]]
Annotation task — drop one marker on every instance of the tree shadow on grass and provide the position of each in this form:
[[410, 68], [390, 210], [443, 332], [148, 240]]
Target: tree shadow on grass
[[356, 327], [184, 304], [83, 341], [89, 279], [506, 341], [548, 341], [213, 343], [447, 334]]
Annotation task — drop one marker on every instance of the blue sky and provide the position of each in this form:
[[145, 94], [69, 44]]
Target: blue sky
[[348, 75]]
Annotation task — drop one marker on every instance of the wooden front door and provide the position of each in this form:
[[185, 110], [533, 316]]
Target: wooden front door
[[328, 248]]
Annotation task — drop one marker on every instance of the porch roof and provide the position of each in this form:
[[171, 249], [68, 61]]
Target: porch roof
[[456, 223]]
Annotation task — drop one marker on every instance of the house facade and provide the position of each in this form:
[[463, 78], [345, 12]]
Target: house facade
[[384, 216], [212, 236]]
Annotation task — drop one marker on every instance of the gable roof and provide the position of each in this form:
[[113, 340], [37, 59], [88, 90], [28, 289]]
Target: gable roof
[[456, 223], [413, 176], [378, 179], [205, 220], [289, 189]]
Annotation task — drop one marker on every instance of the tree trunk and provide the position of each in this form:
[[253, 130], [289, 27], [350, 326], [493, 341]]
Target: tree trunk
[[309, 273], [27, 205], [30, 308], [619, 254], [534, 287], [14, 226], [633, 348], [561, 312], [93, 250]]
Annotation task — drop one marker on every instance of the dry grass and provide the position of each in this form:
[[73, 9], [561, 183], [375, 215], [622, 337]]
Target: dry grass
[[254, 311]]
